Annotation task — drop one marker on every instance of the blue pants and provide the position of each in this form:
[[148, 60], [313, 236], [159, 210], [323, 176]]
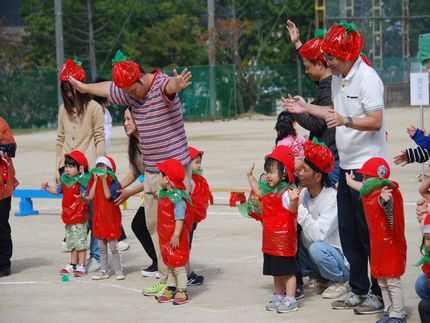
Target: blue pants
[[422, 287], [94, 243], [322, 259]]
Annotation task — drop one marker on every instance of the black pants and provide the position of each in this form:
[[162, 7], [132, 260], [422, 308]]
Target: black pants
[[138, 225], [354, 236], [5, 234], [424, 310]]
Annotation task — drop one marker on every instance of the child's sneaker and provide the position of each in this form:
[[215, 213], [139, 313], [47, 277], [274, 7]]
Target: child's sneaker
[[195, 280], [80, 271], [168, 295], [68, 269], [156, 290], [384, 319], [300, 293], [287, 306], [101, 275], [274, 303], [181, 297], [119, 275]]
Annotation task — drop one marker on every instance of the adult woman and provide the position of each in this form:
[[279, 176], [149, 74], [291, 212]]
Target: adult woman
[[80, 127], [138, 225]]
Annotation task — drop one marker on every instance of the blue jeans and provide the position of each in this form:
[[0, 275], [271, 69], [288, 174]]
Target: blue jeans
[[334, 174], [322, 259], [422, 287], [94, 243]]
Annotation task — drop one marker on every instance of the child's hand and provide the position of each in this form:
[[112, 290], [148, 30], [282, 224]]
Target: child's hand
[[174, 242], [294, 194], [81, 197], [411, 130], [349, 177], [386, 194], [44, 185], [250, 171]]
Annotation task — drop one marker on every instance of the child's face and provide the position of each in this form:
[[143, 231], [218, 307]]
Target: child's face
[[71, 171], [102, 166], [427, 240], [273, 177], [164, 180], [196, 163]]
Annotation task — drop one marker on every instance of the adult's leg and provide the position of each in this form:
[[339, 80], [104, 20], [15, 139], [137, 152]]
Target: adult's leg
[[422, 287], [424, 310], [123, 235], [94, 245], [354, 235], [138, 225], [5, 234], [329, 261], [306, 264]]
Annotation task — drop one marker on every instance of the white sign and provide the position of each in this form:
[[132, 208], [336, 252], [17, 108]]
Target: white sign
[[419, 88]]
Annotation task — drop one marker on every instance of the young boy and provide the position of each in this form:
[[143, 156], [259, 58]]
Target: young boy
[[174, 225], [383, 208], [75, 212]]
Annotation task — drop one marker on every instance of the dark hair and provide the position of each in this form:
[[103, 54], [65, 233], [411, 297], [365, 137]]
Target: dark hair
[[423, 247], [284, 128], [79, 100], [271, 163], [69, 161], [133, 145], [100, 99]]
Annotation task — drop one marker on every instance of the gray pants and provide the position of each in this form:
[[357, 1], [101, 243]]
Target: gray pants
[[116, 258], [392, 295]]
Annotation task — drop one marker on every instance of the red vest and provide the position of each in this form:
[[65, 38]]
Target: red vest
[[106, 215], [166, 226], [279, 227], [74, 211], [200, 197], [387, 246]]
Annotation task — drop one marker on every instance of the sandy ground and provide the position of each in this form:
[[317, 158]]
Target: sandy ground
[[226, 249]]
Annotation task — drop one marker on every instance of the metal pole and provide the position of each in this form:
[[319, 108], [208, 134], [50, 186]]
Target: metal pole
[[91, 43], [59, 44], [212, 58]]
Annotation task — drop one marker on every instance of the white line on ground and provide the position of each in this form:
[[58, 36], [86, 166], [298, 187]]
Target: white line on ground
[[110, 285], [23, 283]]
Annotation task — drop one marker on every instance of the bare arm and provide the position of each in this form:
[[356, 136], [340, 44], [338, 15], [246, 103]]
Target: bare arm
[[125, 194], [45, 186], [424, 189], [355, 185], [128, 180], [174, 242], [252, 181], [106, 189], [294, 34], [99, 89], [371, 122], [177, 83]]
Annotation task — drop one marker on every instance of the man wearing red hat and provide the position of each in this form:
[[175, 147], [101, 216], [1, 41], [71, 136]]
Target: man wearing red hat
[[320, 253], [312, 57], [358, 102]]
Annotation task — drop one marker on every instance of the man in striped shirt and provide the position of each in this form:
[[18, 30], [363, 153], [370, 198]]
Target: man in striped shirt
[[157, 113]]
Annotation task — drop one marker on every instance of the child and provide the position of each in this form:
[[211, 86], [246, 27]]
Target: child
[[383, 208], [75, 212], [287, 136], [422, 284], [174, 225], [200, 195], [104, 188], [279, 204]]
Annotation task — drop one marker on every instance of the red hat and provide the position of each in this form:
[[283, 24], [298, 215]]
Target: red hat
[[365, 59], [112, 162], [319, 155], [175, 171], [426, 227], [343, 41], [108, 161], [375, 167], [79, 157], [194, 152], [72, 68], [312, 49], [284, 155], [124, 72]]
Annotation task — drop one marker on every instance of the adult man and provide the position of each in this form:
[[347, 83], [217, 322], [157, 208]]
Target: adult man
[[7, 186], [358, 99], [320, 253], [316, 68], [158, 117]]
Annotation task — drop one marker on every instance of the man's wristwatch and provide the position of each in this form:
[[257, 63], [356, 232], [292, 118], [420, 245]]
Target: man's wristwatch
[[348, 122]]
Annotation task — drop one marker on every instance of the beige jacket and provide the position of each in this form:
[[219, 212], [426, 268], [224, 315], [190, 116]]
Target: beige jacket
[[85, 133]]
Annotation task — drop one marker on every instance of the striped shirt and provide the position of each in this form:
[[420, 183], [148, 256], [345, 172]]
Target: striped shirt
[[159, 123]]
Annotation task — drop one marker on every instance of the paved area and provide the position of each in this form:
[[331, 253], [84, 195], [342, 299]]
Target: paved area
[[226, 249]]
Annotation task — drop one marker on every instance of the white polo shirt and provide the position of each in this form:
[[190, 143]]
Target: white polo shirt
[[359, 93]]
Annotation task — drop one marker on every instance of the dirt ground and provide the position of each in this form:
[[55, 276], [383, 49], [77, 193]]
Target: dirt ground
[[226, 247]]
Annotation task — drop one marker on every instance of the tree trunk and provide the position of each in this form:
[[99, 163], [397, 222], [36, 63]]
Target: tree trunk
[[91, 42]]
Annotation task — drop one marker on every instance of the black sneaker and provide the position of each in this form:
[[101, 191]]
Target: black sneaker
[[4, 272], [195, 280], [300, 293], [151, 271]]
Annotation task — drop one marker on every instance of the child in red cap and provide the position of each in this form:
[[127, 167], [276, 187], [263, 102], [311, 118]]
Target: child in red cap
[[279, 203], [75, 212], [422, 284], [175, 219], [200, 195], [383, 208], [103, 189]]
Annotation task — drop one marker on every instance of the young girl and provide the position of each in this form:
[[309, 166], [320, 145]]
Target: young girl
[[383, 208], [104, 188], [279, 202], [75, 212]]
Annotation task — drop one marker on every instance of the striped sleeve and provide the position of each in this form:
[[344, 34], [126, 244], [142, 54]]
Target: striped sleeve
[[118, 96], [417, 155]]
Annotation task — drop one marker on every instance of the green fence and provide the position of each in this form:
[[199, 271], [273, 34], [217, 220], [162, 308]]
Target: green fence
[[28, 99]]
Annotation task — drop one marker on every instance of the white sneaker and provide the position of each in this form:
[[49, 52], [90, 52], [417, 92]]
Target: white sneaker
[[335, 290], [101, 275], [93, 265], [64, 247], [123, 245], [120, 275]]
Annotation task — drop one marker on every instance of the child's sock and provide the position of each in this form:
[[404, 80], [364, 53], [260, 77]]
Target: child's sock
[[280, 297], [291, 299]]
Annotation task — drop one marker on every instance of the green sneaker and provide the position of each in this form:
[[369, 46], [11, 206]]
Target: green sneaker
[[156, 290]]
